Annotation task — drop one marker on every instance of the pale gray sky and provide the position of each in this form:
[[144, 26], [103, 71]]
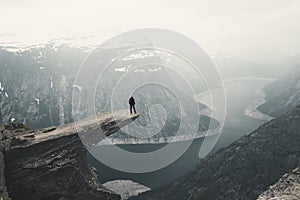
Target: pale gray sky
[[247, 27]]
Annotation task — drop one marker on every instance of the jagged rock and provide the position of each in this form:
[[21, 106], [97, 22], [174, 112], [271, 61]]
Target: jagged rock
[[288, 187], [244, 169], [53, 165]]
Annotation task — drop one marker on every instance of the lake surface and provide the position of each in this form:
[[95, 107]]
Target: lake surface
[[240, 93]]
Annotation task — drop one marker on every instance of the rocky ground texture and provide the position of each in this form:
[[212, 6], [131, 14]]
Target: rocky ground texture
[[288, 187]]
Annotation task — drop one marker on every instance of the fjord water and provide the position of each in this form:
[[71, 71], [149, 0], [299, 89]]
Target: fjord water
[[240, 93]]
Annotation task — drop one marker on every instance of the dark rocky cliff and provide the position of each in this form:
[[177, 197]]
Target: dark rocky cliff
[[51, 163], [244, 169]]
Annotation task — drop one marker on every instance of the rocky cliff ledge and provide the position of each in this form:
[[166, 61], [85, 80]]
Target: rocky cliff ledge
[[51, 163], [244, 169], [288, 187]]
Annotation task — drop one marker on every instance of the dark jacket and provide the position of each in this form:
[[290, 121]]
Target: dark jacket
[[131, 101]]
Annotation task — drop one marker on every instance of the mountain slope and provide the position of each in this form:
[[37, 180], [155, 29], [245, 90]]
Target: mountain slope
[[244, 169], [282, 94], [36, 84]]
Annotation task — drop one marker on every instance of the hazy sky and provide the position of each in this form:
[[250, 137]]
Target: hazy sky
[[239, 27]]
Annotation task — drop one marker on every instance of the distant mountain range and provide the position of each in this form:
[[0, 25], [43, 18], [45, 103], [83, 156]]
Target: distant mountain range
[[36, 82], [36, 85]]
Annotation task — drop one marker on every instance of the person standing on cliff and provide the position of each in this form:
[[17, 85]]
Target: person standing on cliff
[[132, 103]]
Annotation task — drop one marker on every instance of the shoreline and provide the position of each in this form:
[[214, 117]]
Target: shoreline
[[252, 112]]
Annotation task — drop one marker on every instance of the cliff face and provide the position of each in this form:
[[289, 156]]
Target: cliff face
[[244, 169], [52, 170], [51, 163], [288, 187], [36, 84]]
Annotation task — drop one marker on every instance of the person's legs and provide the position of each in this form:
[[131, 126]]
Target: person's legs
[[130, 109], [134, 108]]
